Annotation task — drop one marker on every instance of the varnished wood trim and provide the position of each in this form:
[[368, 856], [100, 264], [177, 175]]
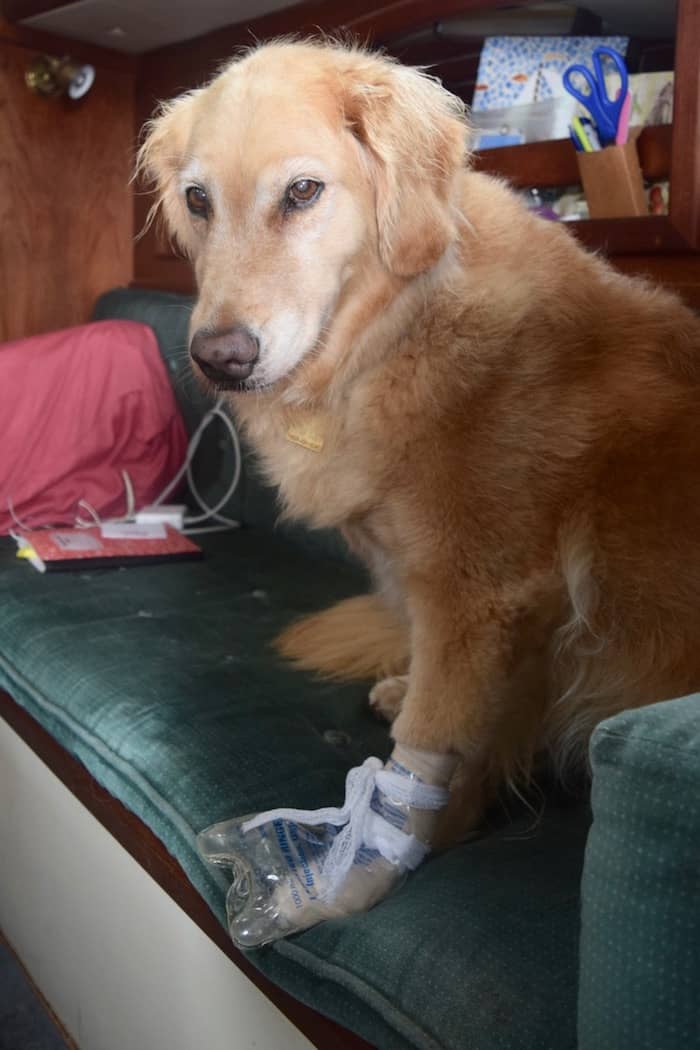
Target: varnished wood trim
[[553, 163], [645, 234], [685, 153], [16, 10], [365, 19], [37, 40], [153, 857]]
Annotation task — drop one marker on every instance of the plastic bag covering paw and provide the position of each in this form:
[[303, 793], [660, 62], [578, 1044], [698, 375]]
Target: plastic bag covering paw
[[294, 868]]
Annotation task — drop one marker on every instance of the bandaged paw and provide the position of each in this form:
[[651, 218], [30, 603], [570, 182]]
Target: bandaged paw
[[294, 868]]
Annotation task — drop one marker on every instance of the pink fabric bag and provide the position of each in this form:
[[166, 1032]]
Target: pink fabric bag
[[78, 407]]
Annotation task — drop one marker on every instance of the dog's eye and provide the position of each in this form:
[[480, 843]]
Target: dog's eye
[[197, 201], [303, 192]]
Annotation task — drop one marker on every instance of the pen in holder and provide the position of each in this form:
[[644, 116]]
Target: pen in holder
[[611, 177], [612, 181]]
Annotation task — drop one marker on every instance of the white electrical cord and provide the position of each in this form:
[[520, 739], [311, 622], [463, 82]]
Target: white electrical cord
[[185, 470], [81, 523]]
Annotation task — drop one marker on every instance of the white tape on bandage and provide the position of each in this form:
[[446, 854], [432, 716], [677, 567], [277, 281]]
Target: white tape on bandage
[[411, 792], [361, 825]]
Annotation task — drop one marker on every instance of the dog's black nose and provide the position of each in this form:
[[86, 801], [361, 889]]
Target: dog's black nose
[[226, 357]]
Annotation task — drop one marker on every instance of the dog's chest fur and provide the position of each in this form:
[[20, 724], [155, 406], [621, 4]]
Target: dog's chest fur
[[324, 464]]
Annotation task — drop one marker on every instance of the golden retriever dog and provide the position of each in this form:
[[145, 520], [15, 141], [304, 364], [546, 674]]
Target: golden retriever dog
[[504, 428]]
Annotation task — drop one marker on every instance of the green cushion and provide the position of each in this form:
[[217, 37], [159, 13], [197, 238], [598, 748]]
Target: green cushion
[[161, 681], [640, 942]]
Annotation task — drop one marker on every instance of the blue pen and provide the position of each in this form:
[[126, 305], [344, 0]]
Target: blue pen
[[581, 135], [591, 133], [574, 138]]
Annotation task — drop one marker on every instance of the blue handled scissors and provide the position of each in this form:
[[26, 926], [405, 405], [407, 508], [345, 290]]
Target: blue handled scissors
[[604, 110]]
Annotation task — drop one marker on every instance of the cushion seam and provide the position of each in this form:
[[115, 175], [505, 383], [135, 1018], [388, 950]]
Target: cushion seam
[[659, 745], [349, 981]]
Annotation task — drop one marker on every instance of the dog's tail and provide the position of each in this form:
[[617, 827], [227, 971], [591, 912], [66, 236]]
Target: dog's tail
[[357, 638]]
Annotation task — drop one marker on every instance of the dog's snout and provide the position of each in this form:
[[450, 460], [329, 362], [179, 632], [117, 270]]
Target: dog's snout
[[226, 357]]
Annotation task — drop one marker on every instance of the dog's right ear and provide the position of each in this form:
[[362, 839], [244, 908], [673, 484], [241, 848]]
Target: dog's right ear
[[414, 137], [161, 155]]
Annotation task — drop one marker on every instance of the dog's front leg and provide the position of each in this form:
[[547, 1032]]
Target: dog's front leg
[[455, 680], [462, 673], [294, 868]]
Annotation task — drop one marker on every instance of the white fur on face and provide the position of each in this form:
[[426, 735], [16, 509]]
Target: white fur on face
[[284, 341], [193, 174], [291, 332]]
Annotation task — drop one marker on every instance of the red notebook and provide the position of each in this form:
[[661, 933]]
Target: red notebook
[[53, 550]]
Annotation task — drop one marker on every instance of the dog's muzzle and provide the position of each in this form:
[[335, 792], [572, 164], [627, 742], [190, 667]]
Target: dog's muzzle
[[227, 358]]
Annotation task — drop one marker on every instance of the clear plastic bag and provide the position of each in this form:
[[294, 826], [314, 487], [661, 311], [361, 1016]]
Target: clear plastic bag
[[294, 868]]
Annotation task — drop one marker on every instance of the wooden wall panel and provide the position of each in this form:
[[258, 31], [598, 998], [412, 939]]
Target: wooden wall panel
[[66, 216]]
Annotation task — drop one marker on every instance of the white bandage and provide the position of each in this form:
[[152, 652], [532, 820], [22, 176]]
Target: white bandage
[[293, 868], [363, 826]]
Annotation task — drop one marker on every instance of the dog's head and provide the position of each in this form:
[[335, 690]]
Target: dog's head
[[302, 179]]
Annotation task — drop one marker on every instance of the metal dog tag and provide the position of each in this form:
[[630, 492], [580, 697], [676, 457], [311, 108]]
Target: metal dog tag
[[307, 432]]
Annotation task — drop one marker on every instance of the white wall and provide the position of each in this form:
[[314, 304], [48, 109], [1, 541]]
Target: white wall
[[123, 967]]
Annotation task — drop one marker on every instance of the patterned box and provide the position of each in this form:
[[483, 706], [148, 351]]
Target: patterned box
[[517, 70]]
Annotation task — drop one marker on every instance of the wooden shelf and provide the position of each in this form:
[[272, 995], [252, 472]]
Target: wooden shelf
[[642, 235], [554, 163]]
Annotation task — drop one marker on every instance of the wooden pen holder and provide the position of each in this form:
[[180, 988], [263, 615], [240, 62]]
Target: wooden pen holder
[[612, 181]]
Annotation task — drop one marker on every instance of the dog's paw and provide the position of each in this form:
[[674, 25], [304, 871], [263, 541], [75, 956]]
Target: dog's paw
[[386, 697]]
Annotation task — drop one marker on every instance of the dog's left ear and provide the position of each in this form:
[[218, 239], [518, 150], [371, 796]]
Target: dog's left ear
[[415, 135]]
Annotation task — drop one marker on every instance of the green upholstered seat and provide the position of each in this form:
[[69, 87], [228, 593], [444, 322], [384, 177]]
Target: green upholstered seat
[[161, 681], [640, 944]]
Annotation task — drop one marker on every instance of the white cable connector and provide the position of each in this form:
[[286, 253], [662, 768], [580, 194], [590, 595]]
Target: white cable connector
[[172, 514]]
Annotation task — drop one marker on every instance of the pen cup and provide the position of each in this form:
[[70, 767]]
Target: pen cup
[[612, 181]]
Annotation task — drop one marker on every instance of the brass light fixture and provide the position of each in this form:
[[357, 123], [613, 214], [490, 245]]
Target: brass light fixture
[[49, 76]]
